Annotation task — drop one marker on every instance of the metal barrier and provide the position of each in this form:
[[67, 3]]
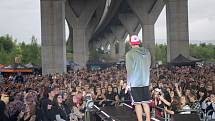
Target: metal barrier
[[113, 102], [167, 117], [209, 117]]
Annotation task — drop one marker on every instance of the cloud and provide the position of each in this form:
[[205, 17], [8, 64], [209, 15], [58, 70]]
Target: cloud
[[21, 19], [201, 22], [160, 28], [202, 29]]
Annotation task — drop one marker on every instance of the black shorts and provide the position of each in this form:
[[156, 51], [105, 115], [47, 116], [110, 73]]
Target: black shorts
[[140, 95]]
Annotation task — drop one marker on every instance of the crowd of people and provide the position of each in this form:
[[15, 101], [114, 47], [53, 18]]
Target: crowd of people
[[61, 97]]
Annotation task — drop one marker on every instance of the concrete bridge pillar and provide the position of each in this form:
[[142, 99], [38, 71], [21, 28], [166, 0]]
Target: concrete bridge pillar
[[121, 48], [177, 28], [120, 34], [111, 39], [80, 46], [53, 36], [113, 50], [83, 17], [149, 39], [147, 12]]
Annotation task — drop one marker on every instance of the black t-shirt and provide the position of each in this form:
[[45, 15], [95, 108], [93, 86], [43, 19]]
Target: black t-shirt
[[48, 110], [110, 98], [124, 96], [61, 110], [98, 99]]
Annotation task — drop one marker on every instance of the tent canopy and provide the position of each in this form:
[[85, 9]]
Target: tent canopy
[[15, 68], [1, 65], [180, 60]]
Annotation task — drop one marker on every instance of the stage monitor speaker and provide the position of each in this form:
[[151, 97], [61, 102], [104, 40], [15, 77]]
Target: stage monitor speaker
[[186, 117]]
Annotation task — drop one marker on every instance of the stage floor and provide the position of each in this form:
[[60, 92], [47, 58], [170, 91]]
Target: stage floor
[[122, 113]]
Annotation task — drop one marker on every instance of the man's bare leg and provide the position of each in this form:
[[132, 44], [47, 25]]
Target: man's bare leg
[[139, 112], [147, 111]]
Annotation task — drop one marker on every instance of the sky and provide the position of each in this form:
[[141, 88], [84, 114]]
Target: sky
[[21, 19]]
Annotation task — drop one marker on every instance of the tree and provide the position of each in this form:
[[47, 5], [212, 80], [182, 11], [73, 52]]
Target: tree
[[7, 43], [203, 51], [3, 56], [31, 53], [161, 53], [9, 49]]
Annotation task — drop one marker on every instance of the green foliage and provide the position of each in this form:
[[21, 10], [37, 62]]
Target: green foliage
[[31, 53], [161, 53], [9, 49], [69, 49], [69, 56], [203, 51], [6, 42], [3, 56]]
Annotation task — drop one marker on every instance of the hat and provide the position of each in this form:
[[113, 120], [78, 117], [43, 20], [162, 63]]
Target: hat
[[134, 40]]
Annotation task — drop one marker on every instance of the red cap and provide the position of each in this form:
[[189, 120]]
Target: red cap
[[134, 40]]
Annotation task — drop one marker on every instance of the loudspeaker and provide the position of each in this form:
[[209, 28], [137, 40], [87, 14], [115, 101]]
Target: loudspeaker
[[186, 117]]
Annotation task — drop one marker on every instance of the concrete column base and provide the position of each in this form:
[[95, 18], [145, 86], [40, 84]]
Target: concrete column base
[[53, 36], [177, 29], [121, 49], [149, 40], [80, 47], [113, 51]]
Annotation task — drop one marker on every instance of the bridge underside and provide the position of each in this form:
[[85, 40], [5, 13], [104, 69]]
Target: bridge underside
[[104, 23]]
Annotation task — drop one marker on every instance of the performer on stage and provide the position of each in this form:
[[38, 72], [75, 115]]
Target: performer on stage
[[138, 61]]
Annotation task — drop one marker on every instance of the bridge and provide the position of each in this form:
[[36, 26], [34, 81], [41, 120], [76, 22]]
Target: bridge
[[103, 23]]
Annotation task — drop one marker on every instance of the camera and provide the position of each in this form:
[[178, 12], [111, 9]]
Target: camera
[[88, 101]]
